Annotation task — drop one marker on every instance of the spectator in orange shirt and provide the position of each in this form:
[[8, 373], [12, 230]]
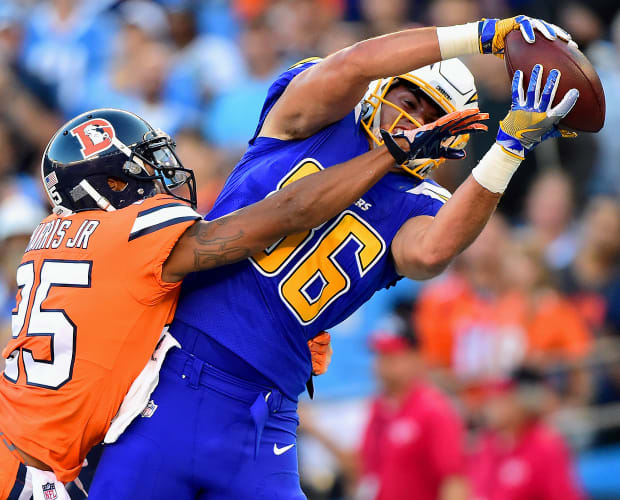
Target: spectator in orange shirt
[[448, 307], [496, 309], [557, 334], [555, 329]]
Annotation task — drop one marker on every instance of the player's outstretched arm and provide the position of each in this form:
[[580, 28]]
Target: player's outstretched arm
[[302, 205], [424, 245], [305, 203], [329, 90]]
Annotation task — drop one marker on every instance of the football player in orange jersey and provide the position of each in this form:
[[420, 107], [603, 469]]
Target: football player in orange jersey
[[100, 279]]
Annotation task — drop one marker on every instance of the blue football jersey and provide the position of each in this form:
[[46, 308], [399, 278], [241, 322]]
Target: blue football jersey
[[266, 308]]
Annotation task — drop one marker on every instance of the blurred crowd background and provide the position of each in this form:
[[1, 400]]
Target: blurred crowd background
[[518, 344]]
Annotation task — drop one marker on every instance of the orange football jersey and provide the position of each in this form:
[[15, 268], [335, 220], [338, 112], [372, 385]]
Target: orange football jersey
[[91, 306]]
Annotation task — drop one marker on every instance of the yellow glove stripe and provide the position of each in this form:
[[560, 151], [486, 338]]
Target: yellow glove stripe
[[517, 122], [502, 28]]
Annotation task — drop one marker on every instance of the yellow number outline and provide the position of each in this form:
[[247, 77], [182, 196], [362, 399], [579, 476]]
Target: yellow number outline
[[268, 262], [288, 287]]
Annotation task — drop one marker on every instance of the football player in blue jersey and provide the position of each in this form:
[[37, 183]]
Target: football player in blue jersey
[[225, 421]]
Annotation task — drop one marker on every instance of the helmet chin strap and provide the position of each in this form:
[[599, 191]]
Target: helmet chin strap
[[101, 201]]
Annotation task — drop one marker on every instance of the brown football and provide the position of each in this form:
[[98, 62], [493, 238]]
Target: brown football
[[588, 115]]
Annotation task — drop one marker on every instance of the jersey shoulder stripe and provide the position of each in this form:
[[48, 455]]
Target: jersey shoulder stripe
[[432, 190], [305, 61], [156, 218], [278, 87], [156, 208]]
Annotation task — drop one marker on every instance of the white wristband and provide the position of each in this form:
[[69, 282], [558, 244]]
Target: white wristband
[[495, 169], [460, 40]]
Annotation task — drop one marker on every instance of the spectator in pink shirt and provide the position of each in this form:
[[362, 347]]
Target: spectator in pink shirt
[[519, 456]]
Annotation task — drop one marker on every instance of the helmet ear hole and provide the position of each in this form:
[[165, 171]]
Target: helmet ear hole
[[116, 184]]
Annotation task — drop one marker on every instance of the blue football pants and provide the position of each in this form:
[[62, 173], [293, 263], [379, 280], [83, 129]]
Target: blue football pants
[[212, 437]]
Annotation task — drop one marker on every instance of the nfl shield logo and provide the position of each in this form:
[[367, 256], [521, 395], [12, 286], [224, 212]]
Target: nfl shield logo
[[49, 491], [149, 409]]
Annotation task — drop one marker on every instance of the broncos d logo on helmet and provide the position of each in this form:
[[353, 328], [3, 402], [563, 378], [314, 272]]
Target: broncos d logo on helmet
[[96, 145], [94, 135]]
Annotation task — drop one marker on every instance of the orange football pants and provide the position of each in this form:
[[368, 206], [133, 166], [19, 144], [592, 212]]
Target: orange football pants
[[12, 470]]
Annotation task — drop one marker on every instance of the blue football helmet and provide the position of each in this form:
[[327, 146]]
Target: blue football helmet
[[101, 144]]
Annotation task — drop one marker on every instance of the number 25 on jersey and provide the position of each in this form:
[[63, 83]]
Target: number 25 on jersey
[[31, 322]]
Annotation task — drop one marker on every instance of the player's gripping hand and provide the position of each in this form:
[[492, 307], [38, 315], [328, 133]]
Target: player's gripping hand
[[488, 36], [426, 141], [492, 32], [321, 352], [531, 120]]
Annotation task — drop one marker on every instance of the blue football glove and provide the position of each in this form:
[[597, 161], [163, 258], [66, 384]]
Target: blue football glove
[[426, 141], [530, 119], [492, 32]]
